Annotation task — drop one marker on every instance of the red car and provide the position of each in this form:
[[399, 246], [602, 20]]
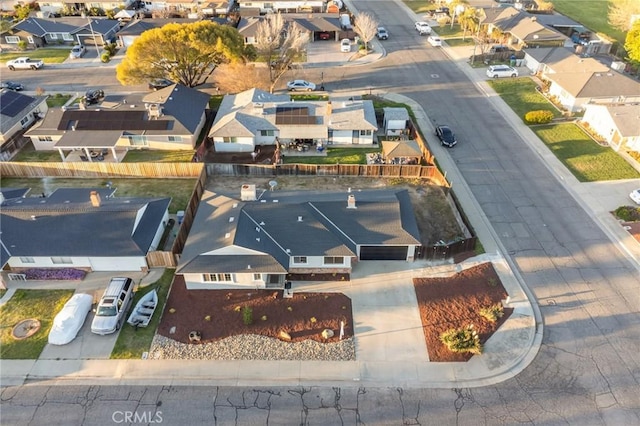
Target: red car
[[324, 35]]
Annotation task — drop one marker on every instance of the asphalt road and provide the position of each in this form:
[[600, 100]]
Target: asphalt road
[[588, 368]]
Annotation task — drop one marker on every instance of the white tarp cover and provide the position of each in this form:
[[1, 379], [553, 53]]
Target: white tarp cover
[[70, 319]]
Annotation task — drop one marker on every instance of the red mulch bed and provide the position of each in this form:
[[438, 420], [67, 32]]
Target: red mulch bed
[[454, 302], [192, 306]]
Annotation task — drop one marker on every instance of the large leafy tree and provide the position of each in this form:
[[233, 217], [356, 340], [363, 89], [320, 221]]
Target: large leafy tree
[[632, 42], [621, 13], [366, 26], [184, 53], [278, 42]]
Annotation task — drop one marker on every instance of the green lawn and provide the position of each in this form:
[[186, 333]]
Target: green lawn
[[420, 6], [158, 156], [29, 154], [588, 161], [335, 156], [178, 189], [446, 31], [2, 292], [305, 97], [133, 342], [215, 101], [57, 100], [48, 55], [521, 95], [590, 13], [40, 304], [457, 42]]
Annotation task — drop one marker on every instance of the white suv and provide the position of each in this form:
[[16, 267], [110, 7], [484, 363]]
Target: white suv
[[496, 71]]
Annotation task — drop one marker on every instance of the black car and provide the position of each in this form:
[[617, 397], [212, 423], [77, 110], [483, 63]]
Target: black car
[[93, 96], [159, 83], [446, 135], [12, 85]]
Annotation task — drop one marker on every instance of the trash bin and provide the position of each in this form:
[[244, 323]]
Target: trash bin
[[512, 60], [180, 216]]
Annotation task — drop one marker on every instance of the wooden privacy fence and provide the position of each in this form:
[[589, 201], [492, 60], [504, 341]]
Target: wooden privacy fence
[[98, 170], [161, 259]]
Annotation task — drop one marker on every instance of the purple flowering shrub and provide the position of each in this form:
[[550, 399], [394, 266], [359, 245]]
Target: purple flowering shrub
[[69, 274]]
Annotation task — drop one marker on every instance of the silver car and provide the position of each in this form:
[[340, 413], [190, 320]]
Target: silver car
[[77, 51]]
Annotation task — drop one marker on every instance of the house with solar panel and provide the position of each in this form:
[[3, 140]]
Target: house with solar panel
[[81, 228], [17, 113], [262, 239], [168, 119], [254, 117]]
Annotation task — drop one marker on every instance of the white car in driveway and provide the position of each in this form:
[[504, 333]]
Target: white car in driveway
[[345, 45], [497, 71], [635, 196], [77, 51], [435, 41], [423, 28], [301, 86], [70, 319]]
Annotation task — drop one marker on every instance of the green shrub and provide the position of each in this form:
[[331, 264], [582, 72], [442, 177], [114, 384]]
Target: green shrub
[[628, 213], [493, 312], [540, 116], [110, 48], [462, 340], [247, 315], [105, 57], [22, 45]]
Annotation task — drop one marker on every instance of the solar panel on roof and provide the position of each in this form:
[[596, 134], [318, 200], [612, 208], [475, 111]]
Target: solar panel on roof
[[110, 120], [294, 115], [12, 103]]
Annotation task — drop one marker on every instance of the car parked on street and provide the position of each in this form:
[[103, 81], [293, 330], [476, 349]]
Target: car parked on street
[[497, 71], [301, 86], [92, 96], [77, 51], [423, 28], [446, 136], [382, 33], [159, 83], [345, 45], [435, 41], [12, 85]]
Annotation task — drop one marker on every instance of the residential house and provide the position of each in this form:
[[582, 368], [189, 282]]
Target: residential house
[[39, 32], [131, 32], [17, 113], [254, 117], [170, 118], [396, 120], [555, 60], [618, 124], [81, 228], [248, 7], [244, 243], [56, 7], [9, 5], [313, 25]]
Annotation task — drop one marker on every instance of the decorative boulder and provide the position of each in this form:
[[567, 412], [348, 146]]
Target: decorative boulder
[[327, 334], [283, 335], [195, 336]]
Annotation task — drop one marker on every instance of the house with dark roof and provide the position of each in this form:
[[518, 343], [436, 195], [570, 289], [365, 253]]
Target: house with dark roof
[[618, 124], [81, 228], [56, 6], [170, 118], [17, 113], [40, 32], [312, 25], [255, 117], [131, 32], [248, 7], [254, 243]]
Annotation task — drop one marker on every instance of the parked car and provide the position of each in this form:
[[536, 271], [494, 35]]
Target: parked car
[[423, 28], [345, 45], [301, 86], [113, 306], [77, 51], [435, 41], [635, 196], [496, 71], [12, 85], [159, 83], [92, 96], [68, 322], [446, 136], [500, 48], [324, 35], [382, 33]]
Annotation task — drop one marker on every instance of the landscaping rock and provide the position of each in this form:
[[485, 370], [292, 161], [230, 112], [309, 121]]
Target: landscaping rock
[[283, 335], [327, 334]]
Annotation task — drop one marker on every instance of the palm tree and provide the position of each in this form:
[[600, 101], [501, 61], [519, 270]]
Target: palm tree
[[469, 21]]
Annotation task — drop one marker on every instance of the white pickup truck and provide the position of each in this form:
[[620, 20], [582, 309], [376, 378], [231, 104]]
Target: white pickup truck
[[24, 63]]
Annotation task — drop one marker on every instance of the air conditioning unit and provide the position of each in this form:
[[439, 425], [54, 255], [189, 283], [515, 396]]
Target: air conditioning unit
[[155, 111]]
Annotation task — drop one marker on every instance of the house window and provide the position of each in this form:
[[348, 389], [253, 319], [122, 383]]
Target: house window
[[24, 121], [27, 260], [175, 138], [300, 259], [257, 277], [138, 140], [216, 277], [67, 37], [30, 40], [267, 132], [61, 260], [53, 36], [45, 138], [12, 39], [231, 139], [333, 260], [365, 132]]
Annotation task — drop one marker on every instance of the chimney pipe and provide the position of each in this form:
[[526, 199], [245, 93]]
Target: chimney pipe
[[95, 199], [329, 108], [351, 202]]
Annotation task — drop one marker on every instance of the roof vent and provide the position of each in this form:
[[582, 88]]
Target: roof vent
[[227, 235], [33, 217], [351, 202], [248, 266], [248, 192], [299, 218], [258, 239], [231, 219]]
